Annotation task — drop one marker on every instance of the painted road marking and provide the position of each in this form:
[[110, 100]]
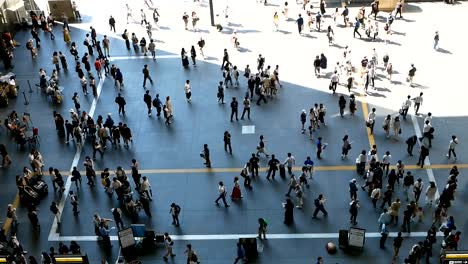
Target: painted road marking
[[53, 230], [296, 168], [142, 57], [365, 113], [248, 129], [428, 168], [237, 236]]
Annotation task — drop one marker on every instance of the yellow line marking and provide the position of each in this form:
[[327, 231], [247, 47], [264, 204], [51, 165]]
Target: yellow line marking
[[297, 168], [7, 223], [365, 113]]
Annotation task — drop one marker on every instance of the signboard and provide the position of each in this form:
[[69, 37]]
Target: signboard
[[357, 237], [126, 238]]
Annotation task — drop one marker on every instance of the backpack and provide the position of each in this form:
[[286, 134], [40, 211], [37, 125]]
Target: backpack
[[317, 202], [177, 209]]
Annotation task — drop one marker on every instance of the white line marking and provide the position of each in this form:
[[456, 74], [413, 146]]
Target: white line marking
[[53, 234], [143, 57], [237, 236], [429, 171]]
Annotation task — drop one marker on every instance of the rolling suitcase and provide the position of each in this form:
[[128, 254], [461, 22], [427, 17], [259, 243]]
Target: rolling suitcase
[[41, 188]]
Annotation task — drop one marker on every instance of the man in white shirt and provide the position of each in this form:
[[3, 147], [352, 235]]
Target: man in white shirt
[[417, 189], [418, 100], [371, 120], [453, 143], [290, 162], [146, 188], [386, 159], [222, 194], [428, 132], [188, 90], [406, 105], [428, 118], [335, 78]]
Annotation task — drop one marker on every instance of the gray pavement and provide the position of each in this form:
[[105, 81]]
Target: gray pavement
[[157, 146]]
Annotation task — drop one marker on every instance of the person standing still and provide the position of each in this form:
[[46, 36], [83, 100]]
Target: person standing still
[[451, 148], [175, 211], [234, 108], [120, 101], [227, 142], [222, 194], [146, 75], [147, 99], [246, 104]]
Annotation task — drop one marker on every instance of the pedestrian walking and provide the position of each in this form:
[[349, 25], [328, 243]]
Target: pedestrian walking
[[384, 235], [240, 254], [106, 46], [423, 153], [436, 40], [300, 24], [342, 105], [261, 147], [418, 100], [417, 189], [227, 142], [157, 104], [120, 101], [175, 212], [289, 162], [431, 193], [117, 213], [451, 147], [234, 108], [222, 194], [272, 167], [357, 25], [152, 48], [411, 142], [74, 203], [319, 203], [371, 120], [146, 75], [193, 55], [56, 212], [345, 148], [148, 100], [353, 211], [146, 188], [397, 242], [188, 91], [292, 184], [320, 147], [205, 154], [112, 23], [169, 245], [262, 228], [409, 79]]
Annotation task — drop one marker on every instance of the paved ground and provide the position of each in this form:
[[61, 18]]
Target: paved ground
[[160, 149]]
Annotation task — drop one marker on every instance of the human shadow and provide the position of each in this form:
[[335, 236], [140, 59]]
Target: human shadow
[[393, 43], [382, 89], [409, 8], [337, 45], [284, 32], [164, 28], [370, 93], [408, 20], [309, 36], [242, 49], [234, 24], [441, 50], [245, 31], [399, 33]]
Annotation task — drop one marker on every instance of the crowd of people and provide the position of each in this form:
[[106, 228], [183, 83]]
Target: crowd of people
[[378, 179]]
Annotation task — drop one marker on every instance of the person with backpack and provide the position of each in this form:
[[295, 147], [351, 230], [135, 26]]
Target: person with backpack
[[55, 211], [175, 211], [192, 256], [411, 74], [158, 105], [120, 101], [319, 206], [169, 245]]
